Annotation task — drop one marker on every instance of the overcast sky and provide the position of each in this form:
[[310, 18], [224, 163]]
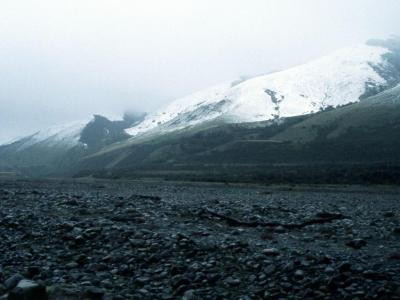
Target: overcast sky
[[62, 60]]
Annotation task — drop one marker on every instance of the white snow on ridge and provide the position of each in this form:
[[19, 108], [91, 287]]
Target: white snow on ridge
[[65, 135], [333, 80], [180, 106]]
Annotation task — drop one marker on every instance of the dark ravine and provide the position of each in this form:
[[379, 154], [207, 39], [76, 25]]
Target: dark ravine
[[154, 240]]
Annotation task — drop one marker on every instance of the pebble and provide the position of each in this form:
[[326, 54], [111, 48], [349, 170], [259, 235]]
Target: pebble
[[28, 290], [270, 252], [12, 281], [357, 243]]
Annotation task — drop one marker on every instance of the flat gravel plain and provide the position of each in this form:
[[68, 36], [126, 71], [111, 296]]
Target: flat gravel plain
[[69, 239]]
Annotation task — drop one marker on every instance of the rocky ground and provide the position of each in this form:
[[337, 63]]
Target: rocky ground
[[138, 240]]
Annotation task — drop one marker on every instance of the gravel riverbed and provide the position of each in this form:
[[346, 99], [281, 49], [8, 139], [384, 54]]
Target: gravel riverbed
[[159, 240]]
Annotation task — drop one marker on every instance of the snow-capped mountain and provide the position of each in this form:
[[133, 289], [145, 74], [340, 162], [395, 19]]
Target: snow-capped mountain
[[342, 77], [65, 136], [359, 140], [346, 76], [59, 147]]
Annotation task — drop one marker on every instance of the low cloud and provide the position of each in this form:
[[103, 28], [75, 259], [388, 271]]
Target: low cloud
[[65, 60]]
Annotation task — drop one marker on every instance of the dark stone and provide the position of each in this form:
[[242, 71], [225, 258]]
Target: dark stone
[[12, 281], [179, 280], [389, 214], [269, 270], [189, 295], [28, 290], [270, 252], [232, 281], [71, 265], [93, 293], [395, 255], [373, 275], [345, 267], [357, 243], [299, 274], [267, 235], [329, 270], [32, 271], [71, 202], [143, 280]]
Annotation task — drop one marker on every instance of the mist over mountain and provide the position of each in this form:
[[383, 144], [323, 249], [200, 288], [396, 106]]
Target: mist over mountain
[[347, 75], [63, 61], [303, 115], [188, 149], [58, 149]]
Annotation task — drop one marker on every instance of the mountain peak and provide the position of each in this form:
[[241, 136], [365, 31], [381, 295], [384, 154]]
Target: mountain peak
[[345, 76]]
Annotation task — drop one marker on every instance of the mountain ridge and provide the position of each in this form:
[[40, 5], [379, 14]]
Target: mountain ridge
[[59, 148], [345, 76], [201, 126], [355, 141]]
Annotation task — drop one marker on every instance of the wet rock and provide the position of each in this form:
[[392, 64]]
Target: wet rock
[[93, 293], [143, 280], [189, 295], [394, 255], [373, 275], [179, 280], [270, 252], [389, 214], [299, 274], [71, 202], [28, 290], [269, 270], [32, 271], [357, 243], [232, 281], [71, 265], [345, 267], [267, 235], [12, 281], [329, 270]]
